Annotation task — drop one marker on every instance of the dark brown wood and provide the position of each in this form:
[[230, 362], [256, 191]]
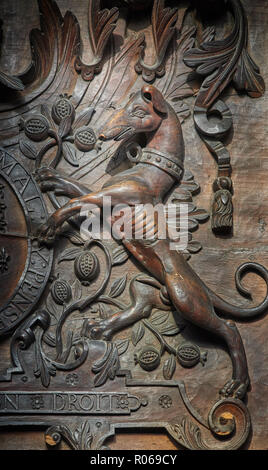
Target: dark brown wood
[[107, 338]]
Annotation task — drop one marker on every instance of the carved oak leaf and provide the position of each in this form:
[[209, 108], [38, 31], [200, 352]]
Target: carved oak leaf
[[224, 60], [163, 28], [101, 24]]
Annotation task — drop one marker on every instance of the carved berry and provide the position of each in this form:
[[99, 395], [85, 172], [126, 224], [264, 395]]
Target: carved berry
[[36, 128], [62, 109], [86, 267], [61, 291], [188, 354], [148, 359], [85, 139]]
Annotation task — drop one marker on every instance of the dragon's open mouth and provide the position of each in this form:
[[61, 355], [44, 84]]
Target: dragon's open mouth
[[126, 132], [117, 133]]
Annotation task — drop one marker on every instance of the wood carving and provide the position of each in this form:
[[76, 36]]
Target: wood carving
[[9, 81], [149, 182], [54, 48], [226, 60], [102, 334], [221, 62], [163, 27], [101, 24]]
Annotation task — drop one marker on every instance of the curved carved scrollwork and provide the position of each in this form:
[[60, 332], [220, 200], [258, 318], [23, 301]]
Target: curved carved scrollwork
[[229, 422]]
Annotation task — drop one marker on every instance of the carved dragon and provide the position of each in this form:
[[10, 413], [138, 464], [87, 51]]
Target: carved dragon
[[158, 167]]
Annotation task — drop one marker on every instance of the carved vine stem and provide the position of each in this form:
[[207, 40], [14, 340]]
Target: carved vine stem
[[84, 302], [220, 62], [101, 24]]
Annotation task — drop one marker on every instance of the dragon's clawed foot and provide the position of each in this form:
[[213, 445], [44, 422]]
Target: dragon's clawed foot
[[47, 232], [235, 388], [96, 330], [50, 180]]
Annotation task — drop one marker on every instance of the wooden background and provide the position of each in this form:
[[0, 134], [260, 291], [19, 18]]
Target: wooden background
[[220, 256]]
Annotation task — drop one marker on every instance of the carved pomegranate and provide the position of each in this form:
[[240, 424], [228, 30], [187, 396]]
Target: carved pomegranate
[[85, 139], [148, 358], [86, 267], [188, 354], [61, 291], [36, 128], [62, 109]]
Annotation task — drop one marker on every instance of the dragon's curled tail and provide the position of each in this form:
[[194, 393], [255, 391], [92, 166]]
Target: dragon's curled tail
[[240, 312]]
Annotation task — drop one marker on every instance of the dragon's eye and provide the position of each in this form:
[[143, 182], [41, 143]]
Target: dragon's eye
[[138, 112]]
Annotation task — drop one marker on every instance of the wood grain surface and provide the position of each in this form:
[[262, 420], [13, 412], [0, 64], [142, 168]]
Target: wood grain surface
[[216, 263]]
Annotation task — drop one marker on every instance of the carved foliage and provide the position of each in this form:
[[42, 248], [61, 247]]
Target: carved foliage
[[9, 81], [54, 48], [163, 28], [64, 127], [224, 60], [101, 24]]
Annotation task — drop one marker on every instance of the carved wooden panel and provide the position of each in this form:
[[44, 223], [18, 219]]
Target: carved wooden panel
[[133, 103]]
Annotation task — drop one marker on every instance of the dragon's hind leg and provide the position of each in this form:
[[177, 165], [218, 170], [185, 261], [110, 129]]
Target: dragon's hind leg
[[145, 294], [197, 308]]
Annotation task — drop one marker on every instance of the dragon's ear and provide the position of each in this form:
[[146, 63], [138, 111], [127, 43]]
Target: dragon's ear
[[150, 93]]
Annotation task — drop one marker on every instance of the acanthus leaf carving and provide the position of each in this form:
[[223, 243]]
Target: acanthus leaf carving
[[6, 80], [163, 28], [101, 24], [221, 61]]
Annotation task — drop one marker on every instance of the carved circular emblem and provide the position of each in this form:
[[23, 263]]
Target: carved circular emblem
[[25, 266]]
